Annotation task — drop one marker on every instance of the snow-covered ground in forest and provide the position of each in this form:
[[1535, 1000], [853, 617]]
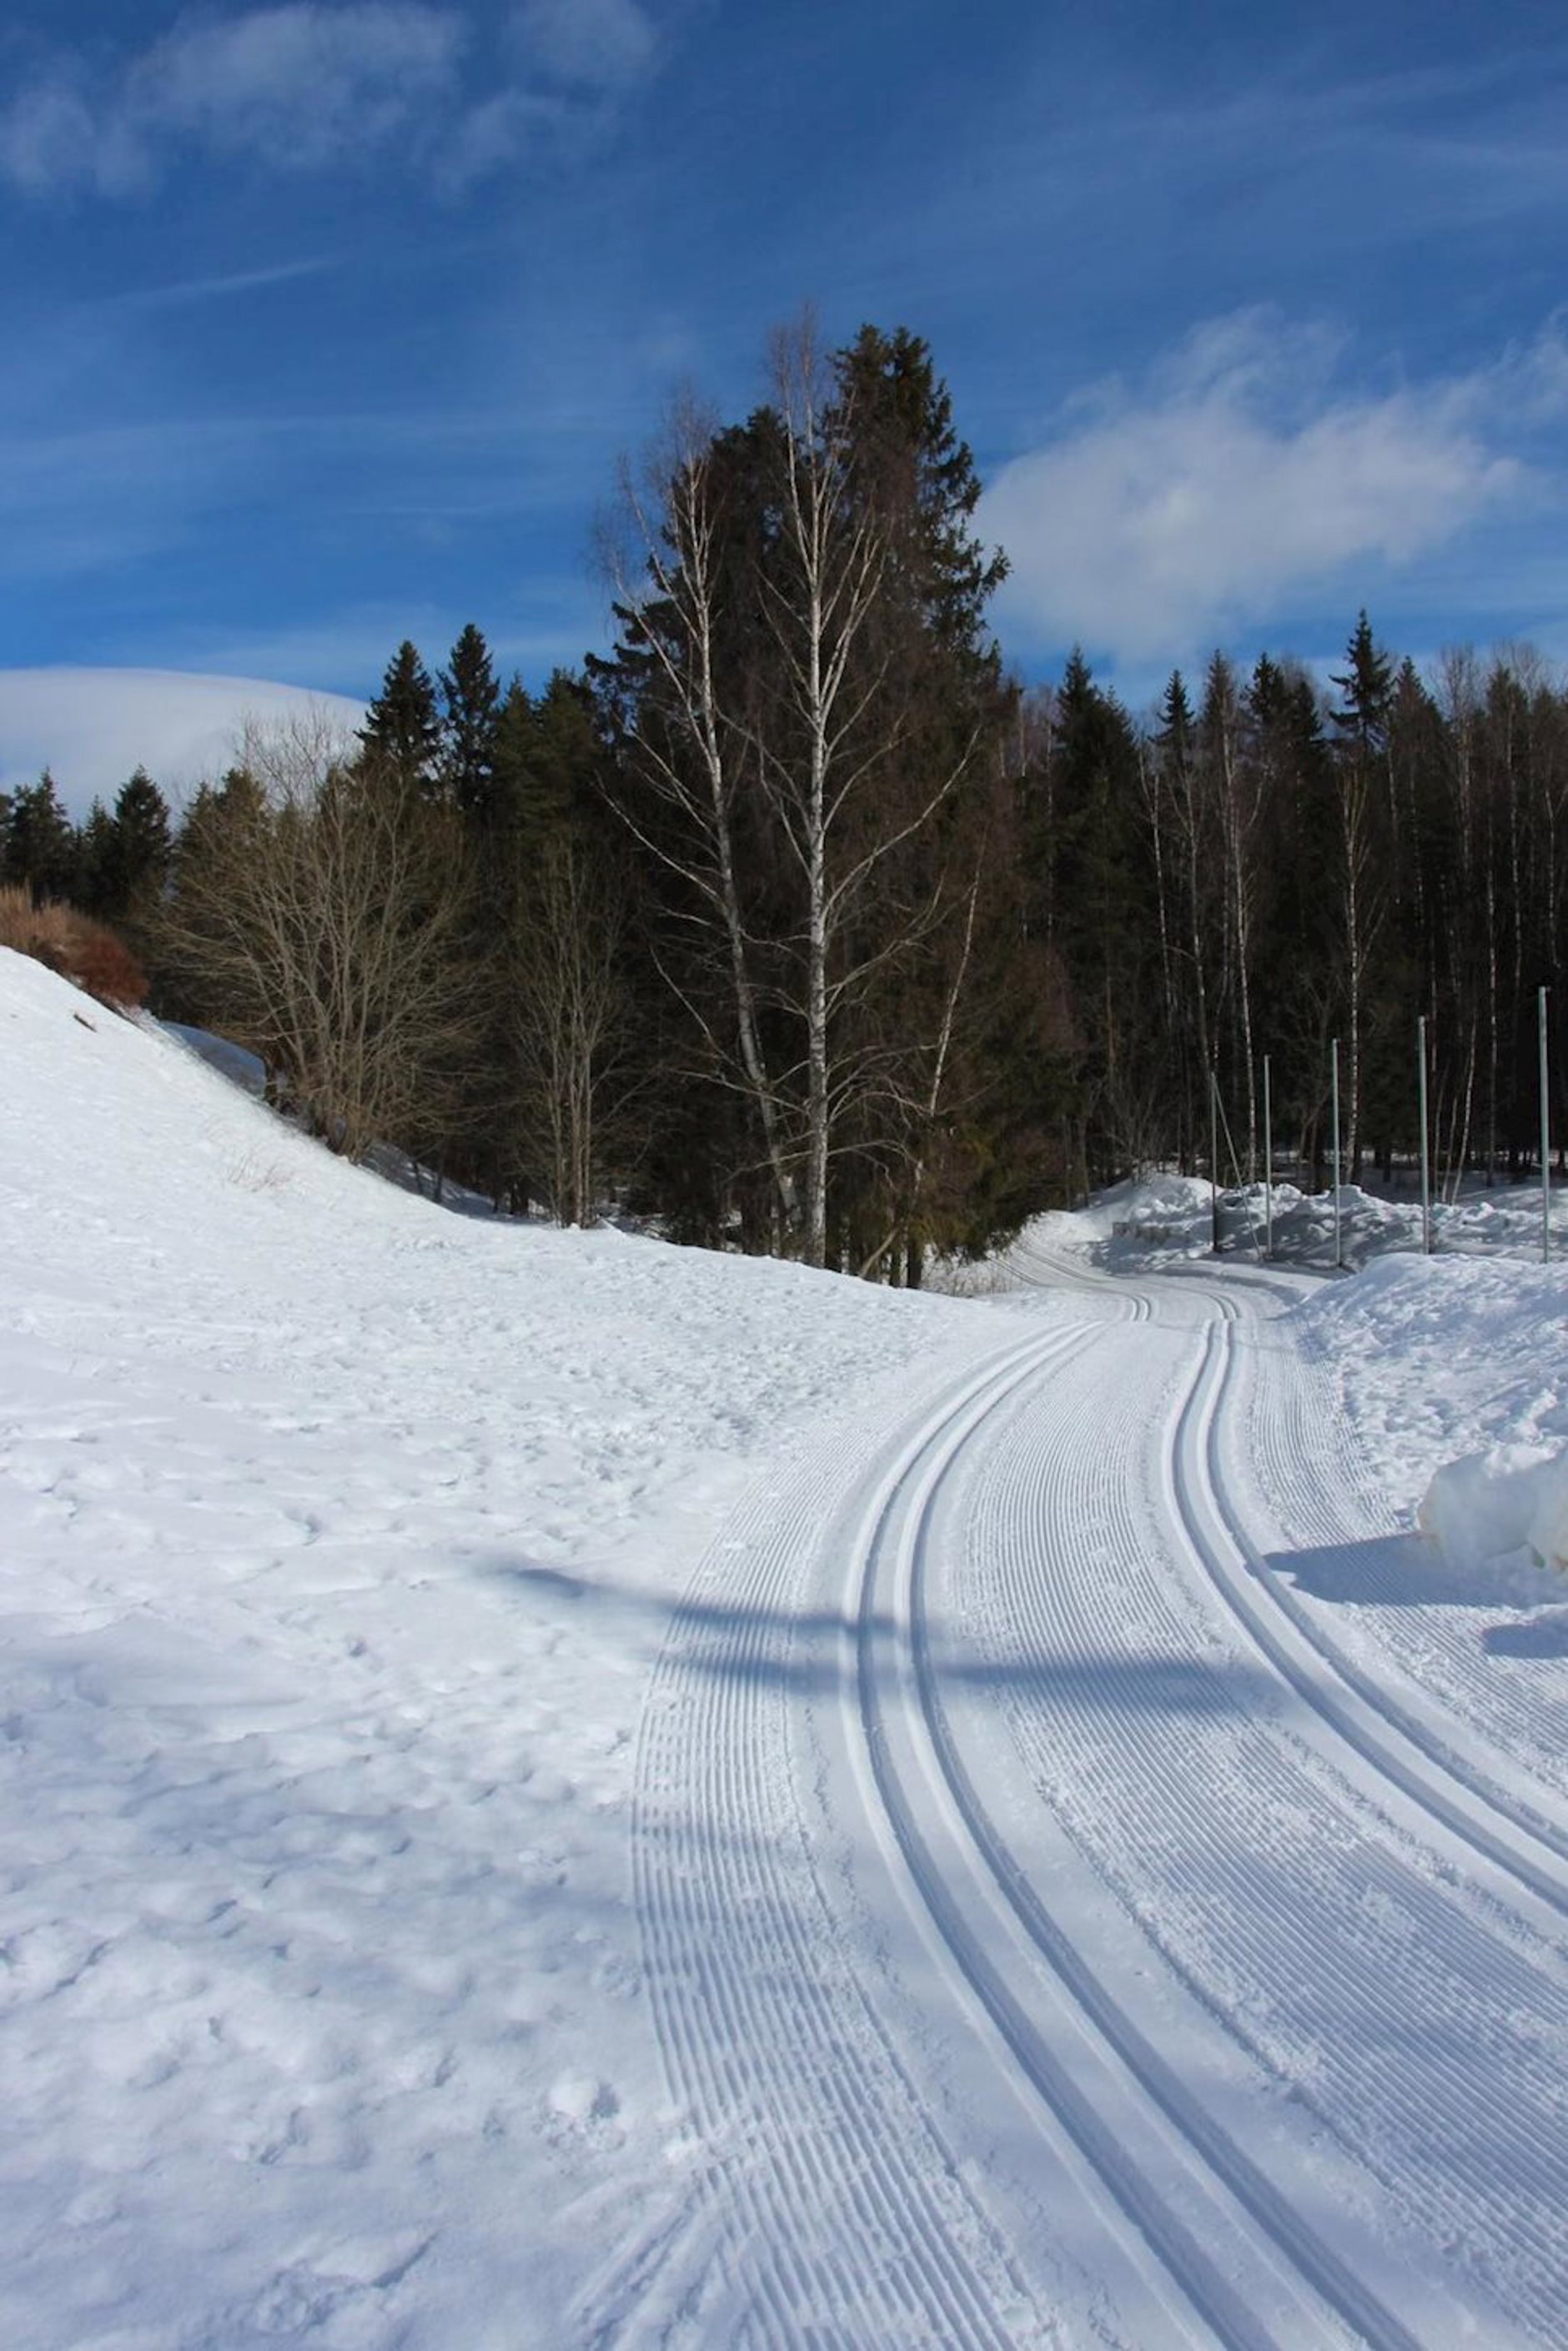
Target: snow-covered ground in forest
[[1168, 1219], [343, 1549]]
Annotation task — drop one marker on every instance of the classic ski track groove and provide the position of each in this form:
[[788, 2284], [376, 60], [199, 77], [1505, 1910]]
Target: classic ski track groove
[[1316, 2261], [1009, 2003], [1368, 1718], [1029, 1506], [1311, 1464], [728, 1898]]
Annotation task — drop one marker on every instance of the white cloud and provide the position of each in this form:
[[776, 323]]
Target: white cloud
[[297, 85], [591, 43], [92, 727], [308, 84], [1156, 522], [46, 137]]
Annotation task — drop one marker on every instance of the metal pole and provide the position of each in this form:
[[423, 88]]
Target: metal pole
[[1214, 1164], [1268, 1167], [1425, 1163], [1334, 1066], [1545, 1139]]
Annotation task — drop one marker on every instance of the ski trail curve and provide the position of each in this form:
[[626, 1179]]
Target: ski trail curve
[[1324, 1952], [1518, 1838], [1298, 1472], [1039, 1947]]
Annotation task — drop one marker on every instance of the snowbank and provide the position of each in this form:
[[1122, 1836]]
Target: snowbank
[[1488, 1505], [1166, 1219]]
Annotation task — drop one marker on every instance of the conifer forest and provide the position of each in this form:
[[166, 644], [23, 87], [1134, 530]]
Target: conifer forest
[[795, 923]]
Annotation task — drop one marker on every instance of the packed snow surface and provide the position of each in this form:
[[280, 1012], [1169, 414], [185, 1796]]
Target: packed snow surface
[[560, 1790]]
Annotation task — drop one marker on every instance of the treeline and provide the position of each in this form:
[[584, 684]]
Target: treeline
[[793, 923], [1267, 866]]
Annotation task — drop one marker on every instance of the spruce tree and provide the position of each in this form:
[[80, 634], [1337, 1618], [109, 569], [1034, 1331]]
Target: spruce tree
[[96, 847], [142, 848], [1367, 686], [41, 842], [468, 729], [402, 734]]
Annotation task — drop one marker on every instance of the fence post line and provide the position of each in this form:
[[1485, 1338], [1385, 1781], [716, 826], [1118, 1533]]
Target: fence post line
[[1333, 1088], [1425, 1164], [1545, 1136], [1268, 1166]]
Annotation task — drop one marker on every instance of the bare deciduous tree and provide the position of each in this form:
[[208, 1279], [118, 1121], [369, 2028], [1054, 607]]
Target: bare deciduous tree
[[318, 917], [570, 1021]]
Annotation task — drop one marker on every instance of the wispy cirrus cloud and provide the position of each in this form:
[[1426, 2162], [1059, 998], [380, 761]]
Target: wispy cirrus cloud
[[1243, 473], [309, 86], [588, 44]]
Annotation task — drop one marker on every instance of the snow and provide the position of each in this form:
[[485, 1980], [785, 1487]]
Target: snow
[[1488, 1504], [337, 1538], [556, 1790], [1167, 1219], [1435, 1358]]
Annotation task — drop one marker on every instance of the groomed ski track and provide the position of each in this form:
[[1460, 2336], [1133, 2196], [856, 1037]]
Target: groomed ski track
[[1052, 1936]]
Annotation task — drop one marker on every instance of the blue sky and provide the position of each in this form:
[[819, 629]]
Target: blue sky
[[325, 323]]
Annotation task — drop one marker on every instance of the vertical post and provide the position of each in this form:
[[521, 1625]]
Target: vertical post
[[1334, 1069], [1213, 1164], [1545, 1137], [1426, 1162], [1268, 1166]]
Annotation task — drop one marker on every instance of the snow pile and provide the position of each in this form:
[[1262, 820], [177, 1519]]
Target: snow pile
[[337, 1536], [1166, 1219], [1437, 1360], [1512, 1497]]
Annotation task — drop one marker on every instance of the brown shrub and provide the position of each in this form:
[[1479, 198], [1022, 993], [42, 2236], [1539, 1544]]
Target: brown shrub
[[18, 916], [74, 945]]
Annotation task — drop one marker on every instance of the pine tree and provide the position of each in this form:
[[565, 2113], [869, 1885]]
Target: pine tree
[[402, 734]]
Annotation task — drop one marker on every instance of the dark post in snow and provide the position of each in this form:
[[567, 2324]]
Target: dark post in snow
[[1545, 1138], [1213, 1164], [1333, 1088], [1268, 1166], [1425, 1163]]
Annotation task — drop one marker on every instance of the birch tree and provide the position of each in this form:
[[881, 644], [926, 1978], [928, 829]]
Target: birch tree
[[803, 694]]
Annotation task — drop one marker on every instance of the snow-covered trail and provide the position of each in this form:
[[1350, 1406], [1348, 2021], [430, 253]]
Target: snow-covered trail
[[1050, 1935]]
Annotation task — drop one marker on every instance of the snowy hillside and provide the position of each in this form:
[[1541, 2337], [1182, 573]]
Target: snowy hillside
[[555, 1790], [339, 1535]]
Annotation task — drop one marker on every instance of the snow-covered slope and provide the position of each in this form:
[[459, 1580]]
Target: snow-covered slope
[[337, 1536]]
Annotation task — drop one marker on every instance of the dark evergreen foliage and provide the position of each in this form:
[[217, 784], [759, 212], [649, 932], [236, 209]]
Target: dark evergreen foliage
[[471, 709], [402, 733], [40, 849]]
